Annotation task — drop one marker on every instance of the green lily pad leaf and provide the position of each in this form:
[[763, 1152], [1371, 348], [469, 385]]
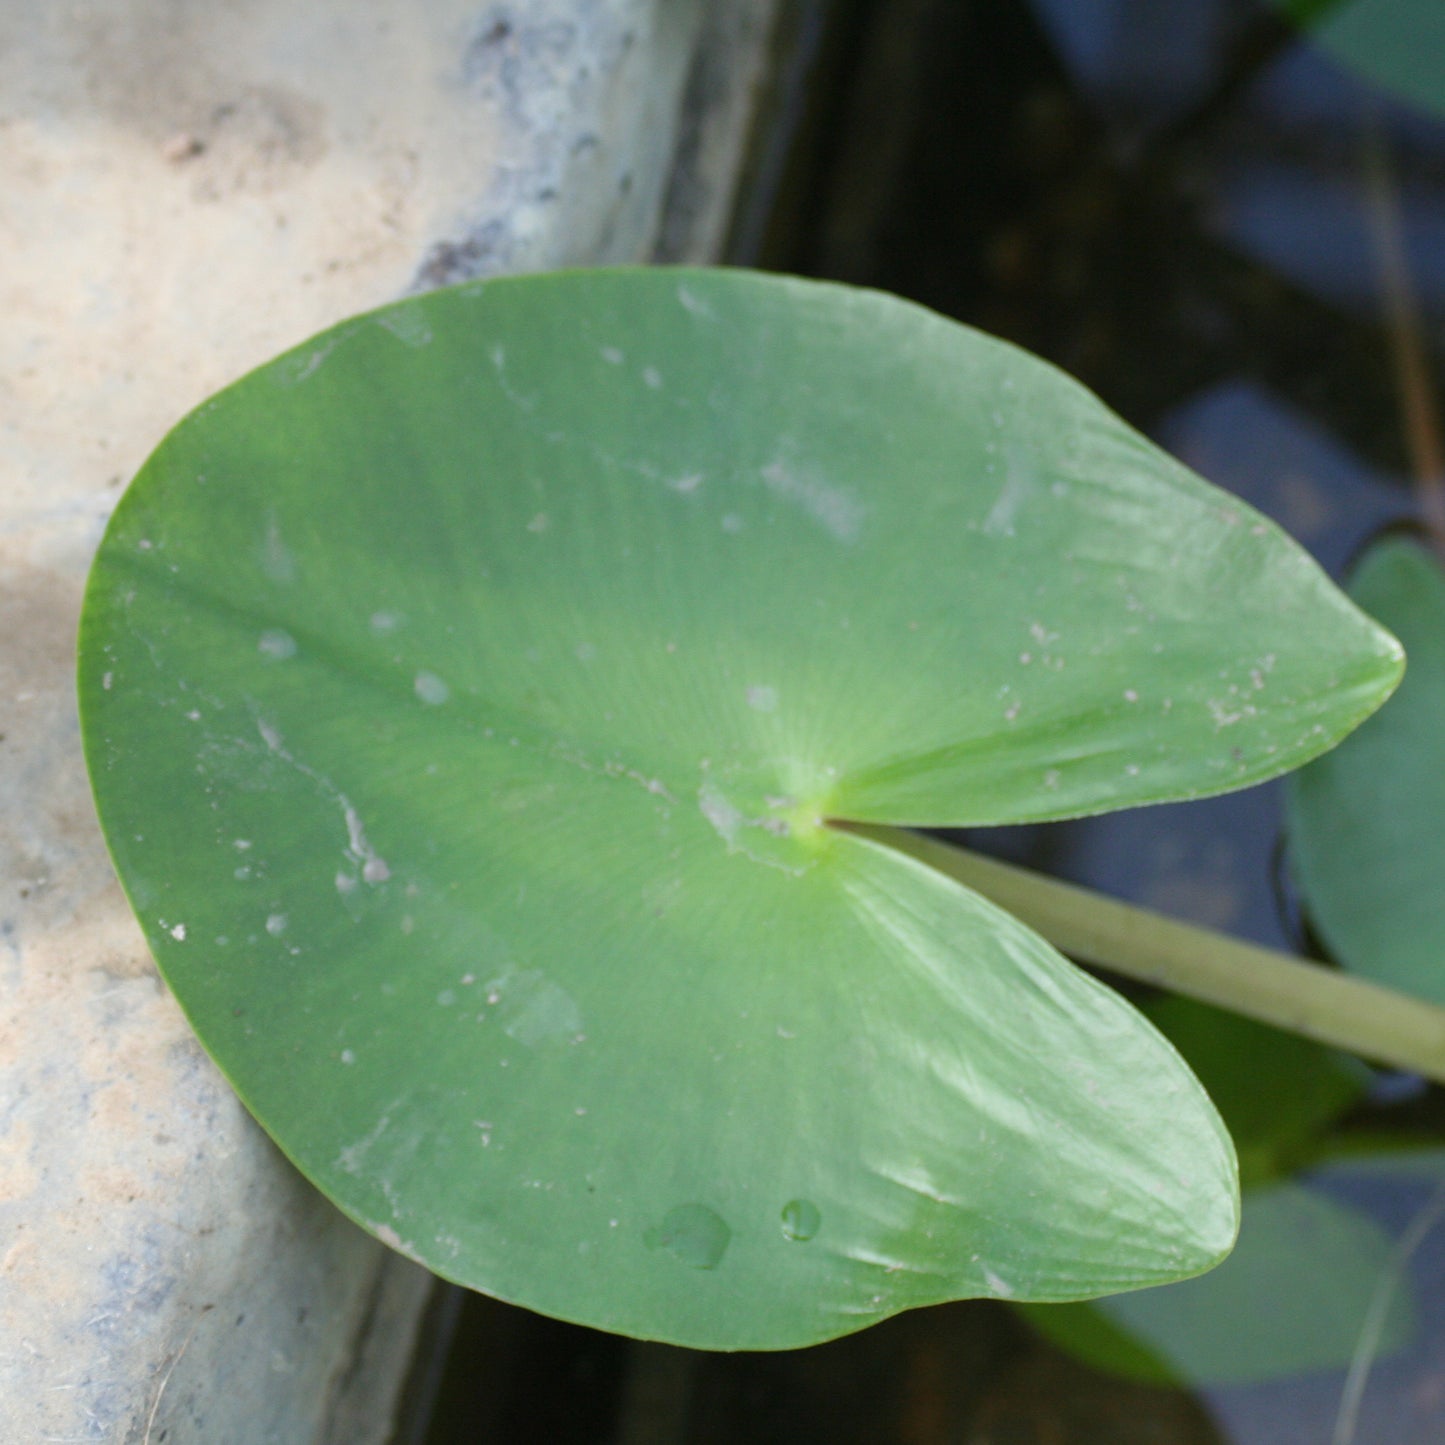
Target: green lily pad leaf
[[1397, 44], [467, 695], [1292, 1298], [1295, 1292], [1365, 823], [1277, 1093]]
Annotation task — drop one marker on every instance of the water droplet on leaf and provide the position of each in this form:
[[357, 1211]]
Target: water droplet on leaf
[[801, 1220], [692, 1233]]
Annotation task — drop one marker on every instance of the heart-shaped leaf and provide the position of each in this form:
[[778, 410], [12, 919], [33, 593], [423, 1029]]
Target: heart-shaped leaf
[[1367, 823], [467, 696]]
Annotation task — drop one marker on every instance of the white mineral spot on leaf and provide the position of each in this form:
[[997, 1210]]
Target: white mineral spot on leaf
[[1051, 778], [345, 883], [276, 560], [499, 364], [277, 644], [687, 485], [694, 303], [347, 1057], [408, 325], [732, 523], [651, 377], [384, 622], [997, 1286], [1025, 658], [431, 689], [1226, 713], [106, 680], [1017, 485], [179, 933], [532, 1008], [276, 924], [193, 716], [612, 356], [374, 869], [736, 829], [539, 523], [302, 368], [763, 699], [446, 998], [830, 506], [1130, 695], [724, 817]]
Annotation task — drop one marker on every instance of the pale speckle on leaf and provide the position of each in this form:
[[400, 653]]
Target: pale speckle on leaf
[[275, 643], [431, 689]]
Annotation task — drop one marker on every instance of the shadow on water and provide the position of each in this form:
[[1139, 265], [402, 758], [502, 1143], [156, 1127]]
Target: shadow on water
[[1234, 231]]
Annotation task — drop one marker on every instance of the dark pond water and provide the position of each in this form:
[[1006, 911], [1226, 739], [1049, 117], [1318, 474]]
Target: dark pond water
[[1236, 235]]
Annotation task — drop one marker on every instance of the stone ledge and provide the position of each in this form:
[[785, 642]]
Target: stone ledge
[[188, 192]]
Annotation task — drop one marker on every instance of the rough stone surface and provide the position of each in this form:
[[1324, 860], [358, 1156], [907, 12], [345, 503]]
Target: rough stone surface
[[187, 189]]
